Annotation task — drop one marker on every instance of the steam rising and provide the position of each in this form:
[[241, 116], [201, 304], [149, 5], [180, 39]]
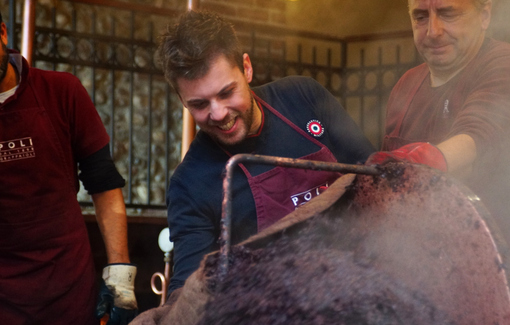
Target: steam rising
[[500, 25], [407, 247]]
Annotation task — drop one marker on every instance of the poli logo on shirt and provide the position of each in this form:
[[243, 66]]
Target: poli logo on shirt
[[303, 197], [315, 128]]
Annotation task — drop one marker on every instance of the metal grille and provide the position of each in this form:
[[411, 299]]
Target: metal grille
[[111, 48]]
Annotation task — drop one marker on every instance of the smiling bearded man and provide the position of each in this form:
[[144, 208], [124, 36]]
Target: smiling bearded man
[[293, 117]]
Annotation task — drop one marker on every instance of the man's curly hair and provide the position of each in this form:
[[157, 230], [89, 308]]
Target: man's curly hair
[[187, 48]]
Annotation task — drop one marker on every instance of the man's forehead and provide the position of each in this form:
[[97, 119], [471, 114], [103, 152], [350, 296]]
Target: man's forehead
[[220, 76], [438, 3]]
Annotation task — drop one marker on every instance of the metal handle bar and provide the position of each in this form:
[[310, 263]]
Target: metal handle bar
[[226, 219]]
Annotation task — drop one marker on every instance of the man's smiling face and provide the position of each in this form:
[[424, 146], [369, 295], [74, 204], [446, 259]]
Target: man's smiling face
[[221, 102]]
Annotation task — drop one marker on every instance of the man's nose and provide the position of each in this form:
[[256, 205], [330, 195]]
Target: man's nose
[[217, 111], [435, 26]]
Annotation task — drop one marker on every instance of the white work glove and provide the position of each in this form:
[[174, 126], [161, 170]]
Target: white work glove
[[117, 296]]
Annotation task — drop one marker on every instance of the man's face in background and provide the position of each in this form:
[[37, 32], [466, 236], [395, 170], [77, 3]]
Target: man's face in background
[[448, 33]]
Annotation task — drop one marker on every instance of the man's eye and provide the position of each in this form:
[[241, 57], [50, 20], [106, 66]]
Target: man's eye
[[226, 94], [420, 17], [449, 15], [198, 106]]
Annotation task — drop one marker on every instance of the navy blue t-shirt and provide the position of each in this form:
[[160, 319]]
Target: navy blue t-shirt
[[195, 194]]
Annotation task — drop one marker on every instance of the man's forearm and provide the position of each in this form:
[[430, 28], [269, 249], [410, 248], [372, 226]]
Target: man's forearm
[[112, 221], [460, 153]]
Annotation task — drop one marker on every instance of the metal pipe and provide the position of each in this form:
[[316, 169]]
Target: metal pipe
[[192, 4], [10, 25], [226, 219], [188, 124], [166, 246], [188, 131], [28, 30], [164, 279]]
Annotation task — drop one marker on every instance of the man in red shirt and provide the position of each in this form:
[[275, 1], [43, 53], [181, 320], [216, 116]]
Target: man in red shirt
[[452, 112], [49, 127]]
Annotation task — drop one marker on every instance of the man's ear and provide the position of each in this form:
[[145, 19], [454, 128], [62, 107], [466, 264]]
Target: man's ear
[[486, 15], [248, 69], [3, 33]]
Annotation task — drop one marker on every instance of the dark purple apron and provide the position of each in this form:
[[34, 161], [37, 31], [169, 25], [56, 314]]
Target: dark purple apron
[[280, 190], [394, 140], [46, 270]]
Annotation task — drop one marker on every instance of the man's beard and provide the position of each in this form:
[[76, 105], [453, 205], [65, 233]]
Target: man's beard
[[4, 62], [248, 119]]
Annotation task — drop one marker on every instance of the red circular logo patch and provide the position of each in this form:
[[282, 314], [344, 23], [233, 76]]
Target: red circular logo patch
[[315, 128]]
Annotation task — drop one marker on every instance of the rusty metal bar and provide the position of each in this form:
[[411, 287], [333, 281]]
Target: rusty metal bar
[[226, 214], [28, 30]]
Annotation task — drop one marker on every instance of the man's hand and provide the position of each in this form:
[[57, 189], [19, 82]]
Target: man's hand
[[418, 153], [116, 296]]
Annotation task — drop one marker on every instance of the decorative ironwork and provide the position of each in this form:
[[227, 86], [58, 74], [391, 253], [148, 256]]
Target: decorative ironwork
[[111, 47]]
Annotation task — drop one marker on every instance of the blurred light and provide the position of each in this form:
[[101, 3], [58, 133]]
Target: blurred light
[[164, 240]]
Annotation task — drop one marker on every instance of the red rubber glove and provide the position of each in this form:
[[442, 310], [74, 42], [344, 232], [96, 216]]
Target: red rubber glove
[[418, 153]]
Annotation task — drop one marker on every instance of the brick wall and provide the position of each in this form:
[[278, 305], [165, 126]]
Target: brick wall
[[265, 12], [258, 11]]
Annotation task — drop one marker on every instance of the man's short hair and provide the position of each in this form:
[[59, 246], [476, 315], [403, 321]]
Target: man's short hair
[[1, 18], [187, 48], [481, 3]]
